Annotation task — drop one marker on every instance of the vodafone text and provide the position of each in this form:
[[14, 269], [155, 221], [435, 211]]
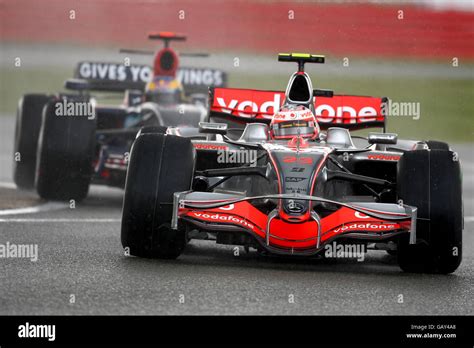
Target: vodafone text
[[324, 112]]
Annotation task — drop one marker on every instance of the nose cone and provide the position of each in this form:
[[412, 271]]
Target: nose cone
[[294, 211], [301, 235]]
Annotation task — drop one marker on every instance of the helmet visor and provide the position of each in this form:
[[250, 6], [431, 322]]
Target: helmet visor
[[293, 128]]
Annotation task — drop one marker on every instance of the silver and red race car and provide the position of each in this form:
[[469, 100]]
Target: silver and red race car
[[280, 172]]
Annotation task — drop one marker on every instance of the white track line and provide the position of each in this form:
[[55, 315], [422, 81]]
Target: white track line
[[35, 209], [60, 220], [9, 185], [49, 206], [58, 206]]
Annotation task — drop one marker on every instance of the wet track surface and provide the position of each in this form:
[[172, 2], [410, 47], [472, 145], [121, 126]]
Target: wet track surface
[[79, 253]]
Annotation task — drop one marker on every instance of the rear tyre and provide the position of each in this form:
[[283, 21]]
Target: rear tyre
[[437, 145], [160, 165], [65, 153], [28, 124], [152, 130], [431, 181]]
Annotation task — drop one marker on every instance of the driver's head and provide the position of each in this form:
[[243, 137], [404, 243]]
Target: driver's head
[[164, 90], [294, 120]]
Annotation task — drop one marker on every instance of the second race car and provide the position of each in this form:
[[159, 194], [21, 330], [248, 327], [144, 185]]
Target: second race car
[[65, 142]]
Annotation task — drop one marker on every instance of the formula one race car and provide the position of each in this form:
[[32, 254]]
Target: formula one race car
[[64, 142], [294, 181]]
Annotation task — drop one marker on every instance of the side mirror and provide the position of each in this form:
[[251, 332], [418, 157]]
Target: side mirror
[[76, 84], [212, 128], [382, 138]]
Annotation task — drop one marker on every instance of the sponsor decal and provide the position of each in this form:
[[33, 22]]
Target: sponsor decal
[[264, 104], [198, 77], [295, 115], [228, 207], [296, 189], [222, 218], [297, 170], [345, 114], [295, 207], [114, 72], [144, 73], [360, 215], [242, 108], [383, 157], [300, 160], [294, 179], [369, 226], [201, 146]]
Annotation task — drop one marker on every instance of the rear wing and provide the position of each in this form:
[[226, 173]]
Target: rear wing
[[116, 77], [249, 105]]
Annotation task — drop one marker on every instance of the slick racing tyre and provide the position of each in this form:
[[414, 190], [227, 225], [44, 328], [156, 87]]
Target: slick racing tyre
[[437, 145], [152, 130], [28, 124], [65, 153], [160, 165], [431, 181]]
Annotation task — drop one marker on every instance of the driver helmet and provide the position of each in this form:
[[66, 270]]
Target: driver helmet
[[164, 90], [292, 121]]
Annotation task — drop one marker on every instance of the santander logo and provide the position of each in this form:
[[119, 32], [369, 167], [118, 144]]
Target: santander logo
[[264, 104]]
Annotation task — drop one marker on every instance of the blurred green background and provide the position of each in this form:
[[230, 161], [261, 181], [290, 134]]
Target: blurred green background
[[447, 105]]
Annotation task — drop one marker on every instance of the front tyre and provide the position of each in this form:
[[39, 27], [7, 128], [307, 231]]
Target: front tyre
[[431, 181], [160, 165]]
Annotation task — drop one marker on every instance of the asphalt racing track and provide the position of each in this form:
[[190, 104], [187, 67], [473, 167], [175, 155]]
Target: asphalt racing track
[[80, 254]]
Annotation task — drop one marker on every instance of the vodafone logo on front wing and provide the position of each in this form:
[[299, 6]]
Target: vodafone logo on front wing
[[373, 227], [226, 218]]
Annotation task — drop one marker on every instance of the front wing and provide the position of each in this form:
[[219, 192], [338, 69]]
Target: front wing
[[230, 212]]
